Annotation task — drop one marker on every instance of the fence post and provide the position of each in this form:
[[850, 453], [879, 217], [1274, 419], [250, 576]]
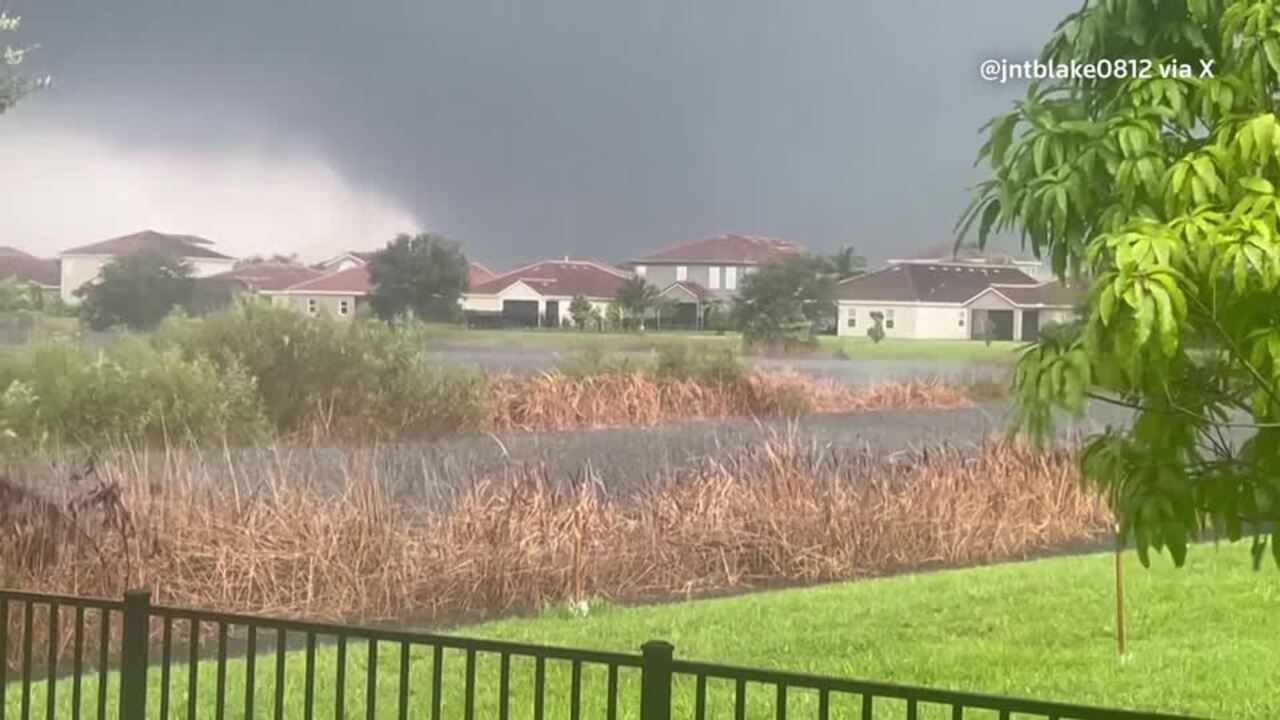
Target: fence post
[[134, 639], [655, 680]]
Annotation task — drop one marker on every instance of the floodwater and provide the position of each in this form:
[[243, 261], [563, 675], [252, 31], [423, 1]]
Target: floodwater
[[622, 461]]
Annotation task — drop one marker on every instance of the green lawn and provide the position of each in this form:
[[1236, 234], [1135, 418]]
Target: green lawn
[[1202, 640], [443, 336]]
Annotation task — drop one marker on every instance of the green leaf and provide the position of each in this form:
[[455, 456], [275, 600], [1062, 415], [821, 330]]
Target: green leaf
[[1257, 185]]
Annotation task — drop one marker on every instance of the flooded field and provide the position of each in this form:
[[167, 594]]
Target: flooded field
[[621, 461]]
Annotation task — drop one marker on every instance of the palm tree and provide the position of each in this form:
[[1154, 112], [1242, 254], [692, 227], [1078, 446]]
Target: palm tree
[[845, 263], [636, 296]]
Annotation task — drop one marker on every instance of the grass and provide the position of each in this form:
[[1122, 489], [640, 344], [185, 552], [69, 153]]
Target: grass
[[1201, 641], [443, 336]]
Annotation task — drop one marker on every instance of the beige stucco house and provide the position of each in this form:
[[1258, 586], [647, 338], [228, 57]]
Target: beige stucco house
[[952, 301], [81, 265], [539, 294]]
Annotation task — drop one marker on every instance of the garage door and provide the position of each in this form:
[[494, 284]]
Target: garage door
[[520, 313]]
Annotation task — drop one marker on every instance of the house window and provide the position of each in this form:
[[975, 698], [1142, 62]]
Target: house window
[[962, 314], [682, 273], [853, 318], [713, 280], [730, 278], [344, 307], [312, 306], [888, 319], [641, 270]]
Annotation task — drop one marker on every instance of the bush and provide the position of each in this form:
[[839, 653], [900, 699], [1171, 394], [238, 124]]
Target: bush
[[57, 394], [701, 362], [345, 378]]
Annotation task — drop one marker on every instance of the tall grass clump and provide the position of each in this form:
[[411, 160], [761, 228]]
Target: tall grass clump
[[358, 379], [59, 394]]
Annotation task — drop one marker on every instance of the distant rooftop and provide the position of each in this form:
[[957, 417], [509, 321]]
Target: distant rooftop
[[729, 249], [151, 241]]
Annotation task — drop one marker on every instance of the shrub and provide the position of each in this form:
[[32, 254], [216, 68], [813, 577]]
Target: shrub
[[876, 331], [347, 378], [701, 362], [57, 394]]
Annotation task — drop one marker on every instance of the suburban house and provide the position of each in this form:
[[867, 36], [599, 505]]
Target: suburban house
[[337, 294], [81, 265], [27, 269], [952, 300], [696, 274], [539, 294], [476, 273]]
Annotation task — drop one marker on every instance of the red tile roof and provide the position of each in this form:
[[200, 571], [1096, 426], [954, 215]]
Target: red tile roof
[[269, 276], [28, 269], [150, 240], [477, 274], [735, 249], [352, 281], [929, 282], [562, 278]]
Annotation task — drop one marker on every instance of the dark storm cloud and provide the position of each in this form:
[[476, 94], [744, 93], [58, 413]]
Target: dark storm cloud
[[576, 127]]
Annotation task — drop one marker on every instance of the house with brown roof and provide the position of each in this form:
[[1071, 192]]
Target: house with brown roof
[[956, 301], [27, 269], [539, 294], [83, 264], [716, 264], [337, 294]]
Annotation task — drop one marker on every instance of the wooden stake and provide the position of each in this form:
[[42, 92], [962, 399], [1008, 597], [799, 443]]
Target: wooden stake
[[1120, 599]]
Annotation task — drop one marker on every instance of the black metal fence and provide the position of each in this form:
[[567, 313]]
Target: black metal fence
[[73, 657]]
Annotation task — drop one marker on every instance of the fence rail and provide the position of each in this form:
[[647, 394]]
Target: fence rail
[[74, 657]]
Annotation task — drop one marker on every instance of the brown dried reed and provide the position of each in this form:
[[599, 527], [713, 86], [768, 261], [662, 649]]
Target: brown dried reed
[[785, 511], [554, 401]]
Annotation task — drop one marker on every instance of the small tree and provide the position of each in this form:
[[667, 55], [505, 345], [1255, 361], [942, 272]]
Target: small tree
[[781, 304], [1161, 189], [580, 310], [635, 297], [845, 263], [420, 274], [136, 291], [876, 331]]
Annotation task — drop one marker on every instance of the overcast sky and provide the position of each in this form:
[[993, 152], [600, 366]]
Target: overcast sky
[[590, 128]]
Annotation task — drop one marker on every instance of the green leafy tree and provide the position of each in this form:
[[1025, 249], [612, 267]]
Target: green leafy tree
[[136, 291], [580, 310], [13, 86], [420, 274], [876, 331], [1162, 191], [635, 298], [782, 303], [845, 263], [16, 296]]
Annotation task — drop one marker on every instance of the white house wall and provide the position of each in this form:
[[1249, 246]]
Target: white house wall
[[904, 318], [80, 269]]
